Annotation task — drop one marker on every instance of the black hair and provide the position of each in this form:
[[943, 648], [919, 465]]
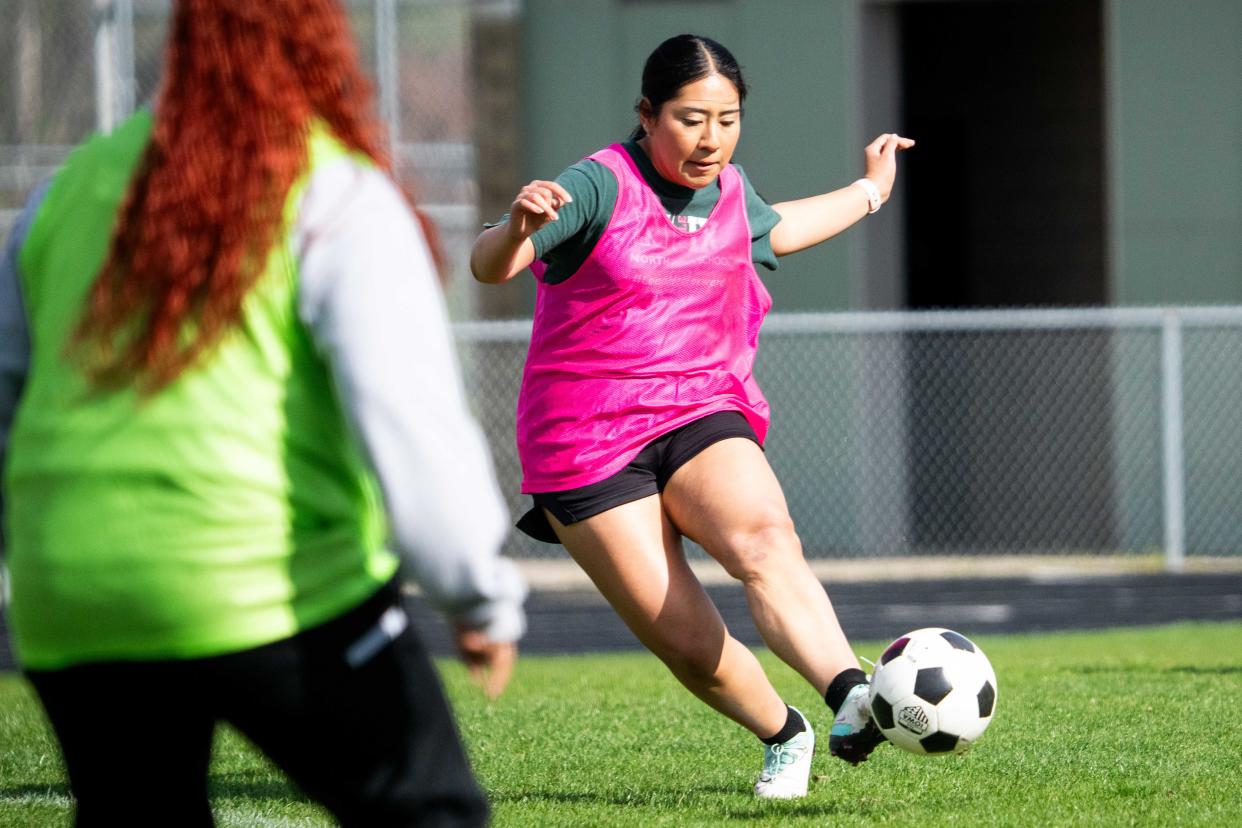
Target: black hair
[[680, 60]]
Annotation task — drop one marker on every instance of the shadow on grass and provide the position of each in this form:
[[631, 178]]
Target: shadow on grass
[[58, 789], [1222, 670], [801, 809], [245, 786], [598, 798], [727, 808], [1208, 671], [236, 785]]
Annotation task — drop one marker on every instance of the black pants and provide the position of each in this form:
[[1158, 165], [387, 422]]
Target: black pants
[[372, 740]]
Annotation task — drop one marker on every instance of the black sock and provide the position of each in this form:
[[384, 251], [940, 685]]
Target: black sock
[[794, 725], [841, 686]]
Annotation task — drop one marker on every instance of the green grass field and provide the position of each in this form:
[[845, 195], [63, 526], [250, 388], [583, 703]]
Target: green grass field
[[1126, 727]]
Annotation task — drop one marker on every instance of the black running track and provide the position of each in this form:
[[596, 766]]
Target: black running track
[[578, 621]]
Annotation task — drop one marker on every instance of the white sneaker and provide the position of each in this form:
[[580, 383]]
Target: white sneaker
[[787, 766]]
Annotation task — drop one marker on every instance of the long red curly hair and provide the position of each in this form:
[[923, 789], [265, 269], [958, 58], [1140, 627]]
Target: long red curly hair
[[243, 80]]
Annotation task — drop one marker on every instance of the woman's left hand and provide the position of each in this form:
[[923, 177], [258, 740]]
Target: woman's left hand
[[882, 161]]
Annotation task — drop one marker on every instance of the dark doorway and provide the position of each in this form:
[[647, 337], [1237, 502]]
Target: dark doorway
[[1005, 193], [1009, 433]]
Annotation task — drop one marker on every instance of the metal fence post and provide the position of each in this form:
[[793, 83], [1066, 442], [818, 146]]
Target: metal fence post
[[114, 62], [105, 64], [386, 70], [1174, 467], [127, 84]]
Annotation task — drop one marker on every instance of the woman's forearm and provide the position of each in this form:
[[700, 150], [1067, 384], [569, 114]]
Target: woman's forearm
[[808, 221], [498, 257]]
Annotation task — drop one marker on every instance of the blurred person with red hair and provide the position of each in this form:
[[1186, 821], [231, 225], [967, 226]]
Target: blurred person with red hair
[[227, 386]]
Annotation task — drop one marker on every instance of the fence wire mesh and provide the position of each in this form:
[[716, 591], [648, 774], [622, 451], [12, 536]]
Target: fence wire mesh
[[912, 434], [1212, 402], [892, 436], [73, 66]]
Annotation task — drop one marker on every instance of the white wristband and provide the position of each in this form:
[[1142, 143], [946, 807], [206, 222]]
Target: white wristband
[[873, 194]]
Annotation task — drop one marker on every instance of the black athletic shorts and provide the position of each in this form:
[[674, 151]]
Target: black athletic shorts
[[647, 474]]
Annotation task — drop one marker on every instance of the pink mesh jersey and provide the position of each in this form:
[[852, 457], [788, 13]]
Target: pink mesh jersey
[[658, 327]]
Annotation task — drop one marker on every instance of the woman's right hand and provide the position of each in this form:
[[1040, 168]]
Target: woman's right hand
[[536, 205], [505, 250], [489, 663]]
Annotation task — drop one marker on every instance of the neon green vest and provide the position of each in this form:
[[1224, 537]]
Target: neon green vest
[[227, 511]]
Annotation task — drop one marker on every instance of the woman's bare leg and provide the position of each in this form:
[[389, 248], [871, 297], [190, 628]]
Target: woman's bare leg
[[728, 500], [633, 554]]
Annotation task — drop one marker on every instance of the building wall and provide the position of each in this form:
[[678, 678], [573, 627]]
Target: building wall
[[1173, 89], [823, 75], [1176, 150], [582, 76]]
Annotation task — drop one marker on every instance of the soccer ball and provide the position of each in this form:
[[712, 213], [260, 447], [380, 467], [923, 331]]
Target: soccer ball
[[933, 692]]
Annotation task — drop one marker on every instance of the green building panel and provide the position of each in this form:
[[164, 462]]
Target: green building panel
[[582, 76], [1172, 229], [1176, 98]]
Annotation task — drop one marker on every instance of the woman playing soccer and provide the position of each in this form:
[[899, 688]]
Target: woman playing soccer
[[639, 421], [227, 391]]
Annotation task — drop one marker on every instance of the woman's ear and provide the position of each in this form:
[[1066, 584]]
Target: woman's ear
[[646, 115]]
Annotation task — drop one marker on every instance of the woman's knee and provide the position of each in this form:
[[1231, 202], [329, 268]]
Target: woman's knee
[[764, 547]]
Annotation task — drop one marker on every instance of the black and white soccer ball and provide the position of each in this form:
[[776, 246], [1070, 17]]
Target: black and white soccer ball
[[933, 692]]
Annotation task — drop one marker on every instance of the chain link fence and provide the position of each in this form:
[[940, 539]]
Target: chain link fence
[[1086, 432], [74, 66], [1096, 432]]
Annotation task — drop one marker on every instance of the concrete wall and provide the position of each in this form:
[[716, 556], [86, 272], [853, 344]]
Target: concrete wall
[[1175, 84], [583, 73], [1173, 92], [824, 74]]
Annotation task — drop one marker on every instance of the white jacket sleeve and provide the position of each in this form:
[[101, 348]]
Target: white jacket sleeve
[[369, 295], [14, 338]]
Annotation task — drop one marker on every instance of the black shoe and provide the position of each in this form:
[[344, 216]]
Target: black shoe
[[854, 735]]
